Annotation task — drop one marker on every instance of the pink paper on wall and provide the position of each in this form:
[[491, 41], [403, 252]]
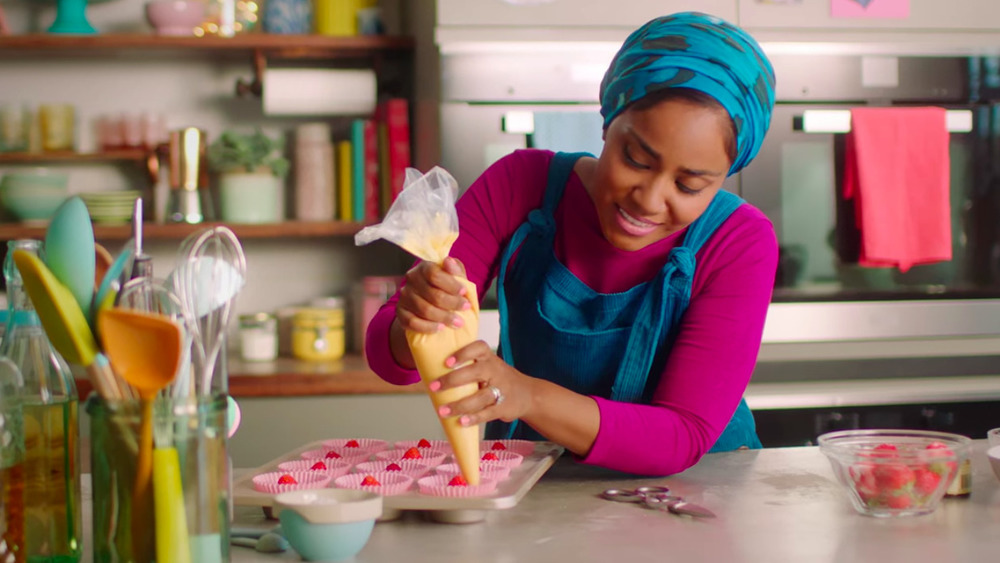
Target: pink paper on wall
[[880, 9]]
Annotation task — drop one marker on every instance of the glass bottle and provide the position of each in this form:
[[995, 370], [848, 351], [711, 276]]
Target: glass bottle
[[50, 408], [11, 465]]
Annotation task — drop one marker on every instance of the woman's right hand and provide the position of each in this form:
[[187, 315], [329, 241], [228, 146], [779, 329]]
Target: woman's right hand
[[431, 296]]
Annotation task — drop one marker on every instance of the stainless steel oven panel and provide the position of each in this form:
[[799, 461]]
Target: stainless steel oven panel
[[550, 76], [829, 78], [868, 320], [473, 136]]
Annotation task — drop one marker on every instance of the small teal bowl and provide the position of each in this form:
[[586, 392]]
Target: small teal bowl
[[328, 524], [33, 196]]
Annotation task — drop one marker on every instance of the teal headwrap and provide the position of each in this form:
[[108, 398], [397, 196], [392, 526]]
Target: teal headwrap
[[700, 52]]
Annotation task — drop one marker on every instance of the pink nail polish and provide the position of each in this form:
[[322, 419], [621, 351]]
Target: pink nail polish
[[463, 291], [457, 322], [444, 411], [466, 306], [449, 362], [439, 328], [464, 421], [434, 385]]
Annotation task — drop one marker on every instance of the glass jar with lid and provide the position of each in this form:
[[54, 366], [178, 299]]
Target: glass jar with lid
[[318, 331], [258, 337]]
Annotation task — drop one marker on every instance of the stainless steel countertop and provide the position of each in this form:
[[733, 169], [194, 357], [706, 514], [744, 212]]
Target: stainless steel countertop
[[865, 392], [774, 505]]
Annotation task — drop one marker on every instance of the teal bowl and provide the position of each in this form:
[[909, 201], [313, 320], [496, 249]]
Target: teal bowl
[[33, 196], [328, 524]]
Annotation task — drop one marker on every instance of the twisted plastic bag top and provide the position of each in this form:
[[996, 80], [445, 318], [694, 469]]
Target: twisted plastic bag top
[[422, 220]]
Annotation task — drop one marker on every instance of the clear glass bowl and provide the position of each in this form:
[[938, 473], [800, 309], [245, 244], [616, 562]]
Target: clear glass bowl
[[891, 473]]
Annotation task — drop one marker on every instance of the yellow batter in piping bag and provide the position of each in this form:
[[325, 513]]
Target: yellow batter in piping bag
[[423, 222]]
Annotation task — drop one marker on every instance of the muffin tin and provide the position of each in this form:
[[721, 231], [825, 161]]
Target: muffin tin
[[502, 494]]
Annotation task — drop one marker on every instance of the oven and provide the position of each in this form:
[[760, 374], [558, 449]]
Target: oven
[[844, 346]]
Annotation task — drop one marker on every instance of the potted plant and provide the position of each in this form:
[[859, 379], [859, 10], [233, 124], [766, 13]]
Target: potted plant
[[251, 170]]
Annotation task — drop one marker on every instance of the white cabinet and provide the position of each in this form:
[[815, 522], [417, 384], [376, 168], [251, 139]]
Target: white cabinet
[[571, 13], [925, 15]]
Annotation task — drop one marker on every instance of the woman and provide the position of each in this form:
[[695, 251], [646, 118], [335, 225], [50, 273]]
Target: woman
[[632, 290]]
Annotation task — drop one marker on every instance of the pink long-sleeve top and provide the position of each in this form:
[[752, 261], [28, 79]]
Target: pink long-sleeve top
[[716, 348]]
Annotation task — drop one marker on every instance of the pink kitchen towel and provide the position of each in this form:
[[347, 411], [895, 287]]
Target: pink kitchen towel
[[897, 171]]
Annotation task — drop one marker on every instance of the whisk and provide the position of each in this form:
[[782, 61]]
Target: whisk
[[210, 272]]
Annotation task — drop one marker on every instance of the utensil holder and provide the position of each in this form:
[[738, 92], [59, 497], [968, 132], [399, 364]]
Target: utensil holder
[[126, 530]]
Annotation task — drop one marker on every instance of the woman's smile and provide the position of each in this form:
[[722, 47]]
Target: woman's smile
[[633, 225]]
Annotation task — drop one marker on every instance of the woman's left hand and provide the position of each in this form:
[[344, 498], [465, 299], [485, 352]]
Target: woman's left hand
[[489, 372]]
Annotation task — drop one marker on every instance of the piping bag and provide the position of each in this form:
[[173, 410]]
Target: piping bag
[[423, 221]]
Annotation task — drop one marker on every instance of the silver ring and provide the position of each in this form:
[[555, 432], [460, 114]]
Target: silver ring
[[497, 395]]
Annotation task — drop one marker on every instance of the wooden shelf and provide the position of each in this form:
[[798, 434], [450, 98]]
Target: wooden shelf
[[178, 231], [293, 378], [291, 46], [138, 155]]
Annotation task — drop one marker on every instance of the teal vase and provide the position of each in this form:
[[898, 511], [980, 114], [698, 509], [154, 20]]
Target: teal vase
[[71, 17]]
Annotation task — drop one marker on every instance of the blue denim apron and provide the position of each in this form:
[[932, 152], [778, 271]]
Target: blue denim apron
[[603, 344]]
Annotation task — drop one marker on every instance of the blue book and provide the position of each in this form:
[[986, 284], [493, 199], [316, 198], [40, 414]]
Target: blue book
[[358, 169]]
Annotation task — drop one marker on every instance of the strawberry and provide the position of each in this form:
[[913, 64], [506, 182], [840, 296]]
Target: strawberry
[[319, 466], [940, 450], [393, 467], [458, 481], [885, 451], [423, 443], [893, 477], [369, 481], [287, 479], [490, 456], [498, 446], [352, 444], [332, 455], [863, 476], [412, 453], [927, 481], [899, 501]]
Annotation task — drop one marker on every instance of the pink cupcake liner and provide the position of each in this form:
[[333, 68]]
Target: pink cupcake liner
[[268, 482], [334, 467], [521, 447], [505, 458], [352, 458], [366, 444], [437, 485], [431, 457], [492, 472], [392, 483], [411, 467], [442, 445]]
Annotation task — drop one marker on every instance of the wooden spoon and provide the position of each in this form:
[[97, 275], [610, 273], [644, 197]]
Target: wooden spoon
[[102, 264], [145, 349]]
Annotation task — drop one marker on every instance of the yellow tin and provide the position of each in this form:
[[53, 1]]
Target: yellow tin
[[318, 334]]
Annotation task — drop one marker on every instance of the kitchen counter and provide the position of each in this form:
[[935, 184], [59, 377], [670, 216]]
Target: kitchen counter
[[773, 505]]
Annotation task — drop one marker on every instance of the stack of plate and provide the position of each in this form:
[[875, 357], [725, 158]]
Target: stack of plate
[[110, 207]]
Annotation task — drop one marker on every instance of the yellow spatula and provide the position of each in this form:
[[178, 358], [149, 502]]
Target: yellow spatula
[[145, 349], [64, 322]]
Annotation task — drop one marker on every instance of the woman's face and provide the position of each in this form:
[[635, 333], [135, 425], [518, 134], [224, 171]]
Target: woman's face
[[659, 169]]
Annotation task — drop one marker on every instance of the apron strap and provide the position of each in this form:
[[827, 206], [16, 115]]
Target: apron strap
[[673, 283], [540, 221]]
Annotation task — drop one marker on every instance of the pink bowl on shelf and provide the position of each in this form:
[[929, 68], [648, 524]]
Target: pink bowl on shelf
[[175, 17]]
